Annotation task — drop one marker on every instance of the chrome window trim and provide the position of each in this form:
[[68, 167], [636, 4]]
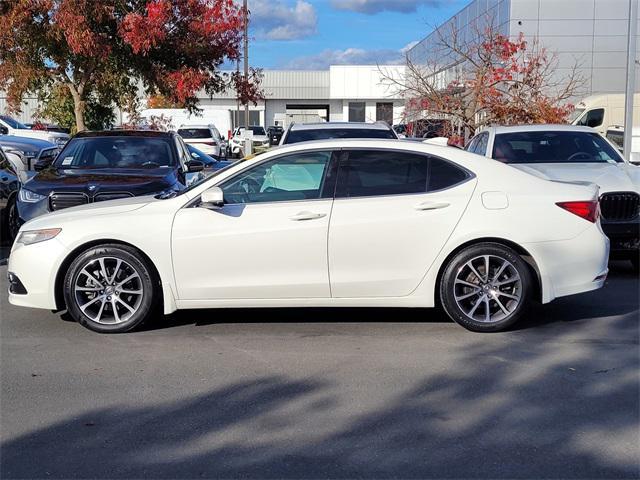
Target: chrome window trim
[[194, 203]]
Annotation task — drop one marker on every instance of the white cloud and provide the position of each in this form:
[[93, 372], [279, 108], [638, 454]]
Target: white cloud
[[282, 20], [375, 6], [349, 56]]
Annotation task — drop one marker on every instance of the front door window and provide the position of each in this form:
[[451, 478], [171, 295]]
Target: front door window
[[300, 176]]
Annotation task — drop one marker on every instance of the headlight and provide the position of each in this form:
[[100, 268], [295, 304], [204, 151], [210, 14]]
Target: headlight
[[34, 236], [29, 197]]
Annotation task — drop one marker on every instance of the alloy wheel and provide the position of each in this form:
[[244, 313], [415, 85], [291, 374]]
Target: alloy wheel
[[108, 290], [487, 288]]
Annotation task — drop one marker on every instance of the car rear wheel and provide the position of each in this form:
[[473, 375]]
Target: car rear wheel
[[110, 289], [486, 287]]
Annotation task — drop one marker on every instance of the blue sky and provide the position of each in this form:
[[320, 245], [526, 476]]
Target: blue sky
[[312, 34]]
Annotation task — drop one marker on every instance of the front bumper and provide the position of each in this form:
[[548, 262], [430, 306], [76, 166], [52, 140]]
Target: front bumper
[[624, 237], [36, 266]]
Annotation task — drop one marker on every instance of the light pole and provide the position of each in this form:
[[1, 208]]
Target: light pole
[[631, 78], [246, 58]]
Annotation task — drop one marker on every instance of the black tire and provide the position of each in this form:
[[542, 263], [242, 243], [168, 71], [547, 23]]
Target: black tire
[[144, 303], [458, 266], [13, 219]]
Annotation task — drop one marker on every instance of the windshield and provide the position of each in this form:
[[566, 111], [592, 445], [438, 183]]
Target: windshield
[[296, 136], [553, 147], [576, 114], [13, 123], [194, 133], [117, 152]]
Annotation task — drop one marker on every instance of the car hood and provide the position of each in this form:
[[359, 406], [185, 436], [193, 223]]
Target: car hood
[[31, 146], [134, 181], [618, 177], [41, 134], [55, 219]]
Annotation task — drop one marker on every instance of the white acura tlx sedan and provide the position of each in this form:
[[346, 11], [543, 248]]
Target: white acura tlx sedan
[[357, 223]]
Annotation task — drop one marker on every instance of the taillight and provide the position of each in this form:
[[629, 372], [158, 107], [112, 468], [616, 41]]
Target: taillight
[[589, 210]]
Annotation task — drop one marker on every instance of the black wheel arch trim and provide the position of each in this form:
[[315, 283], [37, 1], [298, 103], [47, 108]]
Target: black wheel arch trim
[[66, 263], [524, 254]]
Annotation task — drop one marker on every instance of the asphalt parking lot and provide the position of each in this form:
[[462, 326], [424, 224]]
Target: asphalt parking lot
[[326, 393]]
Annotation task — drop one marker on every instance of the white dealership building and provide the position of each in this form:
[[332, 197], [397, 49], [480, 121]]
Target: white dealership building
[[591, 34], [341, 93]]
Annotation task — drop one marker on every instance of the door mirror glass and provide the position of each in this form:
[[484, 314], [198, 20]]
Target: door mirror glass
[[41, 165], [194, 166], [213, 197]]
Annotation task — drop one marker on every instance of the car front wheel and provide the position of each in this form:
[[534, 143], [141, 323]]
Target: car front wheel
[[110, 289], [486, 287]]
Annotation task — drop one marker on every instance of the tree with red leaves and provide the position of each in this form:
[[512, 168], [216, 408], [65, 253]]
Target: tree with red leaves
[[485, 80], [110, 49]]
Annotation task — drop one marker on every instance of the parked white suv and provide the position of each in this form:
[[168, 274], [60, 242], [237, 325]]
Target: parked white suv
[[572, 153], [259, 139], [206, 138], [10, 126]]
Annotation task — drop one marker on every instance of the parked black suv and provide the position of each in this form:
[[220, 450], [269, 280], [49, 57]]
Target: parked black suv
[[304, 132], [98, 166], [275, 134]]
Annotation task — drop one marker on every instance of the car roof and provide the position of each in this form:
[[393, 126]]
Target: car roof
[[541, 128], [122, 133], [199, 125], [339, 125]]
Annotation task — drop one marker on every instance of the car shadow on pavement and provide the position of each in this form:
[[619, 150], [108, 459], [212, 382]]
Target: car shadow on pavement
[[489, 414], [600, 303]]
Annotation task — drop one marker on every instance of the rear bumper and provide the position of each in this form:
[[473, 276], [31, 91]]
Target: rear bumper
[[568, 267]]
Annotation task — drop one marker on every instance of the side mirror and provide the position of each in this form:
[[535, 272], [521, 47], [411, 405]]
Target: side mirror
[[41, 165], [4, 130], [213, 197], [195, 166]]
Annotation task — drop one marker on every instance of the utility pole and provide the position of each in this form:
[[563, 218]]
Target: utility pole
[[246, 57], [631, 78], [236, 123]]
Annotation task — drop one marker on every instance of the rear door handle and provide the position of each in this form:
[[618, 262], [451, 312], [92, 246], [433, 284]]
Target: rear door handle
[[307, 216], [431, 205]]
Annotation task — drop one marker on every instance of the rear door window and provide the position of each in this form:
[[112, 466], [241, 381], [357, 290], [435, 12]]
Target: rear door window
[[368, 173]]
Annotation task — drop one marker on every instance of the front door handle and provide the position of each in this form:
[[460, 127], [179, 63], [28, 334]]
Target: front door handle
[[307, 216], [431, 205]]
